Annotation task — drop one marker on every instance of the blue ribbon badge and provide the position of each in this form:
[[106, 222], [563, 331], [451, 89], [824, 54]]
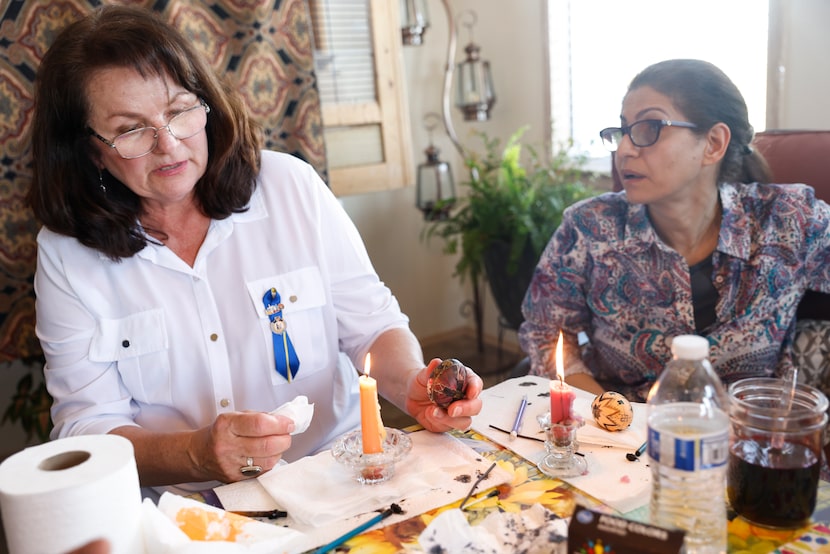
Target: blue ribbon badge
[[285, 357]]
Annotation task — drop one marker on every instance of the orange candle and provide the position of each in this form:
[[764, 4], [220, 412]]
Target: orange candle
[[561, 395], [372, 430]]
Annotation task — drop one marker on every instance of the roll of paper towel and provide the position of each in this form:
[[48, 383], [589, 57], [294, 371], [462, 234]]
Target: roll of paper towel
[[60, 495]]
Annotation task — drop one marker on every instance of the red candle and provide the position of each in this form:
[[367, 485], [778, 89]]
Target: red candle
[[561, 395], [561, 401]]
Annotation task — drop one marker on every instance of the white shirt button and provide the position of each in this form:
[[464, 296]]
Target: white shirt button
[[224, 402]]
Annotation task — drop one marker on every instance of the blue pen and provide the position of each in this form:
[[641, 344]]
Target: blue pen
[[636, 455], [393, 509], [517, 424]]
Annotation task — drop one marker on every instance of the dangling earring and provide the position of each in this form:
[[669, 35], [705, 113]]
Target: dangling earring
[[101, 181]]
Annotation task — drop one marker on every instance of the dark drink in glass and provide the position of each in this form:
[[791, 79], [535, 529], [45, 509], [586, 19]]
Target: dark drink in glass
[[775, 487], [775, 450]]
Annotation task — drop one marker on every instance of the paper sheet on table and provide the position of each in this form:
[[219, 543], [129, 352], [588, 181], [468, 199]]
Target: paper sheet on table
[[324, 487], [611, 478]]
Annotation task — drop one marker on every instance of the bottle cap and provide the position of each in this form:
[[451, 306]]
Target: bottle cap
[[690, 347]]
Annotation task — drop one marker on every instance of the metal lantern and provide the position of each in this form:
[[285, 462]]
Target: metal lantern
[[435, 187], [414, 21], [475, 94]]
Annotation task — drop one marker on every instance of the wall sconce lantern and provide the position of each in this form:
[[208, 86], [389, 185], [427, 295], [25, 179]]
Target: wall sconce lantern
[[435, 189], [475, 94], [414, 21]]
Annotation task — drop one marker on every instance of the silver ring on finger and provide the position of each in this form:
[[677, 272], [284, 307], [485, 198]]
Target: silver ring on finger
[[250, 470]]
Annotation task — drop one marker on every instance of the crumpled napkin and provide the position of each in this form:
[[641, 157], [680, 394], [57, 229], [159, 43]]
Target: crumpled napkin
[[534, 530], [184, 526], [318, 490], [299, 410]]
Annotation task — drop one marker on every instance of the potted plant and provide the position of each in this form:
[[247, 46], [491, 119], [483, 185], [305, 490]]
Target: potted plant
[[30, 404], [510, 211]]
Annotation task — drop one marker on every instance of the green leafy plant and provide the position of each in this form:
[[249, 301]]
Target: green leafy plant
[[511, 201], [513, 198], [29, 407]]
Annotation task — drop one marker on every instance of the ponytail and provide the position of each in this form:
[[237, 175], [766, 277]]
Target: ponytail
[[754, 167]]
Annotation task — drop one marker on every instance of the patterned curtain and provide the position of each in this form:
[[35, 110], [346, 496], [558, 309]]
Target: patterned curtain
[[263, 46]]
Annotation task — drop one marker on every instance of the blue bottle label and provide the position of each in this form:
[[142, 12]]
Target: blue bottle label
[[688, 453]]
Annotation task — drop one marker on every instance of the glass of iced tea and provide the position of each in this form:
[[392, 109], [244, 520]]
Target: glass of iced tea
[[775, 450]]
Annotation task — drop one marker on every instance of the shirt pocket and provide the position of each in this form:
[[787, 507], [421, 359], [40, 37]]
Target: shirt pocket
[[304, 300], [138, 346]]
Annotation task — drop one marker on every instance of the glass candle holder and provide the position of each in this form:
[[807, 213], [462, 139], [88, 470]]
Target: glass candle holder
[[370, 469], [561, 458]]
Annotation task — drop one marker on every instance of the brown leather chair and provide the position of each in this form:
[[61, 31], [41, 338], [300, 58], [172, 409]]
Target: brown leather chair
[[798, 156]]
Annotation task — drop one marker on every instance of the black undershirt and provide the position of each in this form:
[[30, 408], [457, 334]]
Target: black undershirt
[[704, 294]]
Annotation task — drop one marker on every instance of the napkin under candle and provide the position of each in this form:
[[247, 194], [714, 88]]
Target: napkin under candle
[[611, 478], [318, 490]]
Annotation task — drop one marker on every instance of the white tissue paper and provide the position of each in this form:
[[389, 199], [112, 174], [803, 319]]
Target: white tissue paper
[[184, 526], [531, 531], [62, 494], [299, 410]]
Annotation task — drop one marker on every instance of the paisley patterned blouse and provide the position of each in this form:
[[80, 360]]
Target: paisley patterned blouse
[[607, 273]]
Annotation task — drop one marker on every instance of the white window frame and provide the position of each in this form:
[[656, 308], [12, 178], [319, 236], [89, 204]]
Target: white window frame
[[389, 112], [612, 82]]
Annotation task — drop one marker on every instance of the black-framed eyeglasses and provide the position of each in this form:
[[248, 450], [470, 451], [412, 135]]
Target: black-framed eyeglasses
[[140, 142], [642, 133]]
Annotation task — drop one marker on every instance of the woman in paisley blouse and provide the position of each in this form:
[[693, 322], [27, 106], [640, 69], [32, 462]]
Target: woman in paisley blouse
[[697, 242]]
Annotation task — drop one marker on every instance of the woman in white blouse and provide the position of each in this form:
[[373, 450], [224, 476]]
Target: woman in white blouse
[[189, 283]]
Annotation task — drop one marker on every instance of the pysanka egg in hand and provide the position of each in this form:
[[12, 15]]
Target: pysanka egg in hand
[[447, 383], [612, 411]]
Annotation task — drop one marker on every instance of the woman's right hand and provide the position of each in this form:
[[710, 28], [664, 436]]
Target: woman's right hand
[[219, 451]]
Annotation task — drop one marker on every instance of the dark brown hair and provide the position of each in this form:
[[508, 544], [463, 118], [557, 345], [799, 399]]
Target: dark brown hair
[[65, 194], [706, 96]]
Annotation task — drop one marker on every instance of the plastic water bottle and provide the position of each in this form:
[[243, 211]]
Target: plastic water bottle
[[688, 443]]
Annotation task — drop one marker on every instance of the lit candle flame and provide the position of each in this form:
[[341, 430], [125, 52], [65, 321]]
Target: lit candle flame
[[559, 363], [367, 364]]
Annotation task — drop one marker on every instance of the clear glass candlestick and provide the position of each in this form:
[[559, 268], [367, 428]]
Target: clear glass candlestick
[[561, 458], [371, 469]]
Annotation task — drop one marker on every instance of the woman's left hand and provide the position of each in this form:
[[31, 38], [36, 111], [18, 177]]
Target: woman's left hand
[[458, 415]]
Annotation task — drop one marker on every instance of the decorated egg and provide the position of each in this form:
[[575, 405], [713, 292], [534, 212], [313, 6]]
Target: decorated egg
[[612, 411], [447, 383]]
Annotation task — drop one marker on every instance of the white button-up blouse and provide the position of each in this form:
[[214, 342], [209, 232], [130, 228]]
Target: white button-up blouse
[[151, 341]]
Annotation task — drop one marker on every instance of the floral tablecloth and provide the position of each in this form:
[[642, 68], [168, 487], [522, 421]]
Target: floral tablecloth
[[529, 486]]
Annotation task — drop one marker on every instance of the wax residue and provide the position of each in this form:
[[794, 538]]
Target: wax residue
[[201, 525]]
